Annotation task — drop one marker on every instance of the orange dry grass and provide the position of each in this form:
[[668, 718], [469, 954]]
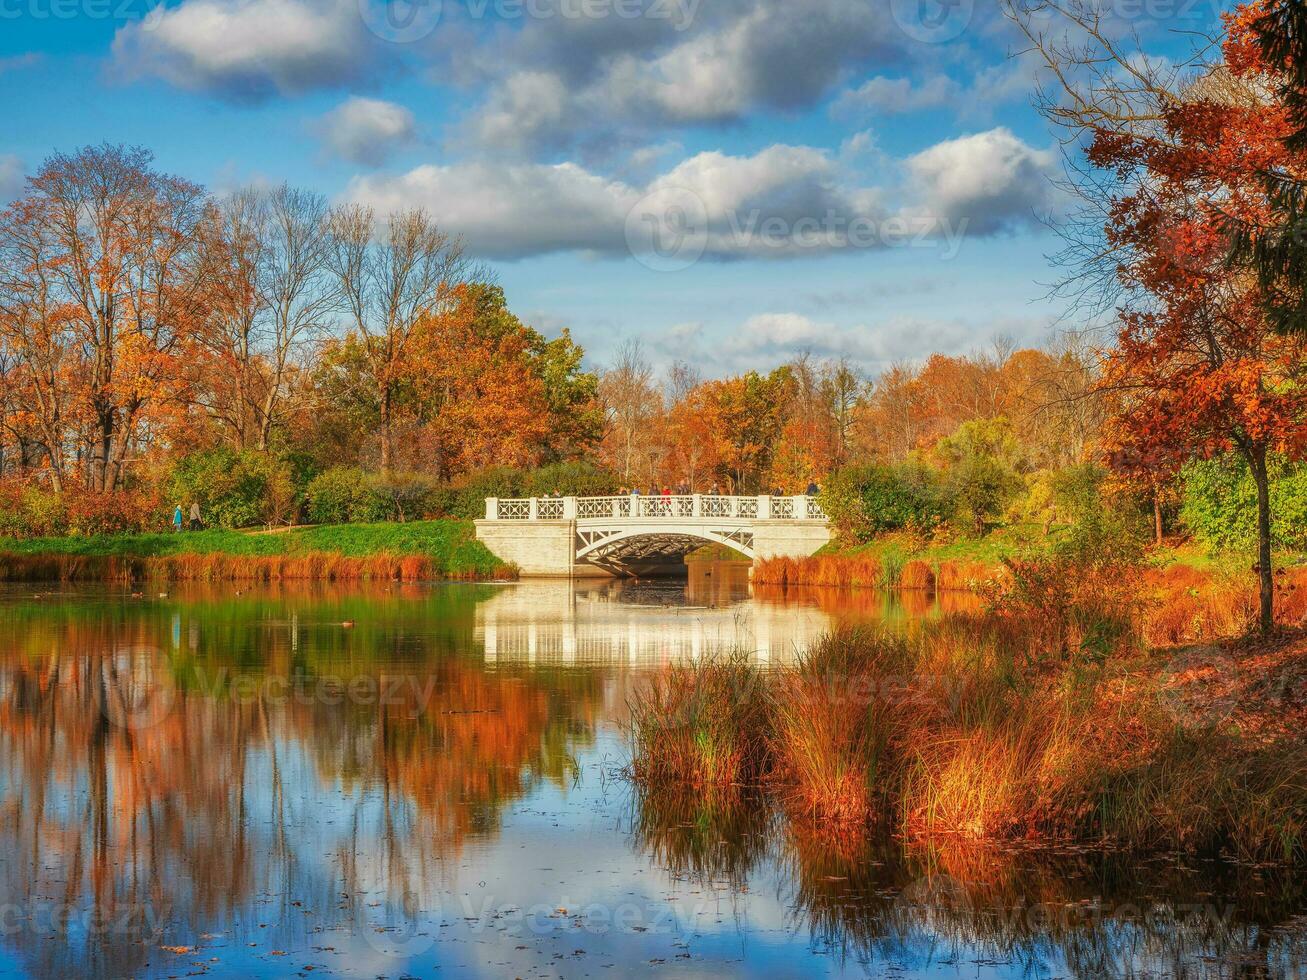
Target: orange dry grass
[[968, 576], [825, 570], [867, 571], [1186, 605], [315, 566], [917, 575], [699, 724]]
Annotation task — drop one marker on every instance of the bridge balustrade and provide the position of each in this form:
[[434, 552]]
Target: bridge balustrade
[[649, 507]]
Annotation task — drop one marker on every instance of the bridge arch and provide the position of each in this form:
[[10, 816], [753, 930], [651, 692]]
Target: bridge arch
[[616, 545]]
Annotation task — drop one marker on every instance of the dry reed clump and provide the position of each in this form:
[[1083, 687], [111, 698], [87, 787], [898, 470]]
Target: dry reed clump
[[1040, 719], [838, 724], [1206, 790], [871, 571], [917, 575], [823, 570], [700, 724], [969, 576], [70, 568]]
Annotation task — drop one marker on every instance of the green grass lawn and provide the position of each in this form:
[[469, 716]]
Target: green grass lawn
[[1004, 542], [451, 544]]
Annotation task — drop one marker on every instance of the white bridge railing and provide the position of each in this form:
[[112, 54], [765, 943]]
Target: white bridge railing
[[641, 507]]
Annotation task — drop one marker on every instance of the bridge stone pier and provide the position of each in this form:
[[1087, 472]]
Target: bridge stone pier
[[639, 535]]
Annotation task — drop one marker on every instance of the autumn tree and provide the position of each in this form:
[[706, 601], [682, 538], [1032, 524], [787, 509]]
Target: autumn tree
[[101, 286], [391, 279], [1197, 368], [271, 297]]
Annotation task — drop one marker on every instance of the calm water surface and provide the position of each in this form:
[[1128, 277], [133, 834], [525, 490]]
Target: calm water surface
[[232, 782]]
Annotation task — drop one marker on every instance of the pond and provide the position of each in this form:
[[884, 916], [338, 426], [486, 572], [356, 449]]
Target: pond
[[426, 781]]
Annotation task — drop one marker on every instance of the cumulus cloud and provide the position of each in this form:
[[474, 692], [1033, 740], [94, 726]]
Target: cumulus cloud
[[529, 109], [250, 49], [577, 78], [889, 96], [511, 210], [782, 202], [367, 131], [992, 180]]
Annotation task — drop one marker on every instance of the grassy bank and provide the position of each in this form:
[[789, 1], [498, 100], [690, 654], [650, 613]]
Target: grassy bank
[[1192, 594], [1046, 718], [416, 551]]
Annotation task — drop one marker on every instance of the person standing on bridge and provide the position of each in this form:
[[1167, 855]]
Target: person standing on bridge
[[813, 489]]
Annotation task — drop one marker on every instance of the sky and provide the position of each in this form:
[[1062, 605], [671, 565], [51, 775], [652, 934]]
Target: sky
[[730, 182]]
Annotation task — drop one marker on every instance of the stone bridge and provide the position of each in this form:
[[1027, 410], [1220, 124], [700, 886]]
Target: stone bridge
[[645, 535]]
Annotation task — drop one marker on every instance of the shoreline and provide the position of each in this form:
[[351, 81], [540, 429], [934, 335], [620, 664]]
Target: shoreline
[[443, 550]]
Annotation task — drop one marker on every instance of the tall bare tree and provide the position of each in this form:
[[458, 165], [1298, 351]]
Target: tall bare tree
[[273, 296], [390, 280], [631, 402]]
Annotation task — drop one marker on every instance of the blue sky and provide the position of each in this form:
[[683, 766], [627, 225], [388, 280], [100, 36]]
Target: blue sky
[[852, 178]]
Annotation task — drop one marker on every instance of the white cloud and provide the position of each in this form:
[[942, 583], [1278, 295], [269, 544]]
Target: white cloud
[[992, 180], [581, 81], [510, 210], [528, 109], [781, 202], [11, 177], [890, 96], [367, 131], [250, 49]]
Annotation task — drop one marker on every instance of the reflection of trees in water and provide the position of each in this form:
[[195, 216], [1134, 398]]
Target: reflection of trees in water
[[238, 805], [709, 838], [1103, 916], [870, 900], [112, 829]]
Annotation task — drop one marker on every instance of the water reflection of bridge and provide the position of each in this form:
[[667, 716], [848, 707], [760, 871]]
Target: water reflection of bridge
[[614, 621]]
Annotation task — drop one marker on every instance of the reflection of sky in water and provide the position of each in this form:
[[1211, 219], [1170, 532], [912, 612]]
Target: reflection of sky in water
[[487, 832]]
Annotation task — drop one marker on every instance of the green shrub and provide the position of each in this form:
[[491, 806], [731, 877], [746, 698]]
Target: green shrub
[[982, 464], [348, 495], [1220, 502], [45, 513], [234, 489], [1102, 529], [330, 496], [469, 492], [863, 501], [467, 495]]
